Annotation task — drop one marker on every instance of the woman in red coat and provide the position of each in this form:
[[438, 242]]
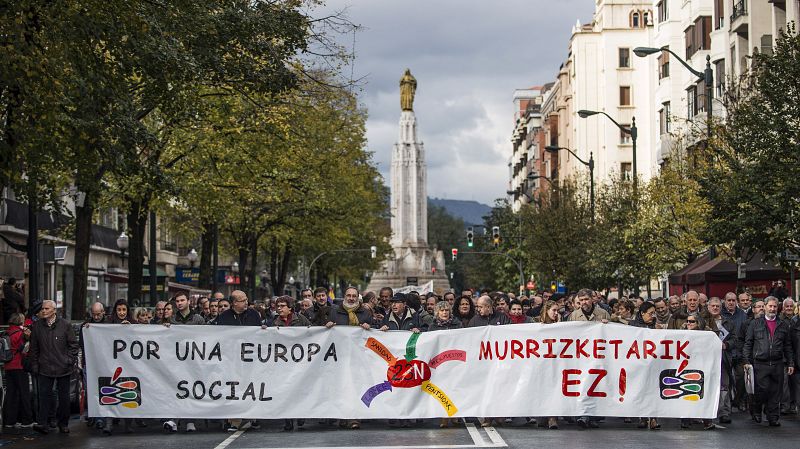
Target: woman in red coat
[[18, 399]]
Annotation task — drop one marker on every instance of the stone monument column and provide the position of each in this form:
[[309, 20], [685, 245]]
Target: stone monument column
[[412, 259]]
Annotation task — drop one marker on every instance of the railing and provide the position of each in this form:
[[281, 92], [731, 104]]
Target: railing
[[739, 10]]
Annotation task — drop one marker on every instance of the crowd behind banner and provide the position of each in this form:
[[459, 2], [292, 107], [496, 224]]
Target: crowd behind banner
[[759, 336]]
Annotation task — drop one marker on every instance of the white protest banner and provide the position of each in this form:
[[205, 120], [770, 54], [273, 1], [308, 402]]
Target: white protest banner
[[563, 369], [421, 289]]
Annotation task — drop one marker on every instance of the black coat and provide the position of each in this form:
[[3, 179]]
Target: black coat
[[495, 319], [54, 349], [322, 314], [247, 318], [452, 323], [409, 320], [340, 316], [760, 347]]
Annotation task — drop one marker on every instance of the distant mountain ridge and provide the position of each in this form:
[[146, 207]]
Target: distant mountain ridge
[[472, 212]]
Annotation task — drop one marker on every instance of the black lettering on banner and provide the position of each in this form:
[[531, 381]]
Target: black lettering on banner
[[331, 353], [296, 357], [261, 396], [137, 350], [249, 391], [178, 351], [202, 393], [182, 389], [313, 349], [233, 391], [119, 346], [152, 350], [211, 394], [216, 351], [247, 349], [280, 352]]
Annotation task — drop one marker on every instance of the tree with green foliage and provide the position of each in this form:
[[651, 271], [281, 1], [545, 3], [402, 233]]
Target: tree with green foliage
[[749, 177]]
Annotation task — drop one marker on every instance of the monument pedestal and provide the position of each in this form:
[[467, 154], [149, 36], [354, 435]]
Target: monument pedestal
[[412, 265]]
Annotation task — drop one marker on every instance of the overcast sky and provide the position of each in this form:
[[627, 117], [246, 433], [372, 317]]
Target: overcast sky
[[468, 56]]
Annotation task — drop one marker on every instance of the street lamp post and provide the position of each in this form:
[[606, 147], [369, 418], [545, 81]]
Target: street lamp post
[[122, 243], [590, 164], [632, 131], [707, 76]]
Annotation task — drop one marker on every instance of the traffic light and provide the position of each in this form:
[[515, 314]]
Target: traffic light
[[553, 286], [470, 237], [496, 236], [455, 253]]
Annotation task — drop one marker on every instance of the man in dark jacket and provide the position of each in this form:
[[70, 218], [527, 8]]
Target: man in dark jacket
[[401, 317], [732, 312], [486, 315], [766, 347], [321, 313], [54, 355], [239, 314], [351, 312]]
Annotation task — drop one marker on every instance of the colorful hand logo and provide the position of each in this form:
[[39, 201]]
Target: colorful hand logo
[[410, 372]]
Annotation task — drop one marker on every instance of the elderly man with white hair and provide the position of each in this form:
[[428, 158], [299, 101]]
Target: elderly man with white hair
[[54, 355], [791, 383]]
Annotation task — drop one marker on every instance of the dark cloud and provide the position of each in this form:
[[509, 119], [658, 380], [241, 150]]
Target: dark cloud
[[468, 57]]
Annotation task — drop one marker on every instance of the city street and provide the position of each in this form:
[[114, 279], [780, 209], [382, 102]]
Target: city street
[[614, 433]]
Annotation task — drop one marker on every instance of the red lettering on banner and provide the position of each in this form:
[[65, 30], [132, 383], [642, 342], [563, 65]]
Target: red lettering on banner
[[486, 351], [516, 349], [566, 382], [634, 350], [580, 347], [497, 350], [649, 349], [567, 342], [598, 347], [531, 348], [615, 344], [666, 355], [601, 373], [549, 342], [679, 350]]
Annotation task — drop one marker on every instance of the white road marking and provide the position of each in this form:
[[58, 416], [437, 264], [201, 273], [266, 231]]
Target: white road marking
[[477, 439], [494, 435], [230, 439], [475, 434]]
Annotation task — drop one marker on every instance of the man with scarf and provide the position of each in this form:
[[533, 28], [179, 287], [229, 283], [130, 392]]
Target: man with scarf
[[662, 313], [350, 313]]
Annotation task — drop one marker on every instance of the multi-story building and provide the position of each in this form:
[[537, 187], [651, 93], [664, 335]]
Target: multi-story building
[[107, 278], [600, 74], [524, 157], [727, 32]]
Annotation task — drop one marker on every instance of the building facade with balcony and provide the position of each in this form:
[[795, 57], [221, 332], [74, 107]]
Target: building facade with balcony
[[728, 32]]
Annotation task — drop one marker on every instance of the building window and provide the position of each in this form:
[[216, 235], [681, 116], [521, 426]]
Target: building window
[[691, 102], [700, 98], [688, 36], [719, 77], [664, 119], [702, 28], [663, 65], [663, 11], [626, 171], [646, 19], [766, 44], [624, 95], [624, 57], [635, 20], [624, 138], [719, 14]]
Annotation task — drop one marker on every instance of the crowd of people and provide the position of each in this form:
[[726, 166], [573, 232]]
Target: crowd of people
[[760, 339]]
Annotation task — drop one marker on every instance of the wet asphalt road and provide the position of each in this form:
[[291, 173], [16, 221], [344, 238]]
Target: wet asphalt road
[[613, 433]]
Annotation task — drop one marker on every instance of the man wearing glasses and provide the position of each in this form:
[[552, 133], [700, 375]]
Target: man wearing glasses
[[239, 314]]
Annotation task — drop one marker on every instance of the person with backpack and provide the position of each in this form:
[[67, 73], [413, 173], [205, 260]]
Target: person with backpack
[[17, 407]]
